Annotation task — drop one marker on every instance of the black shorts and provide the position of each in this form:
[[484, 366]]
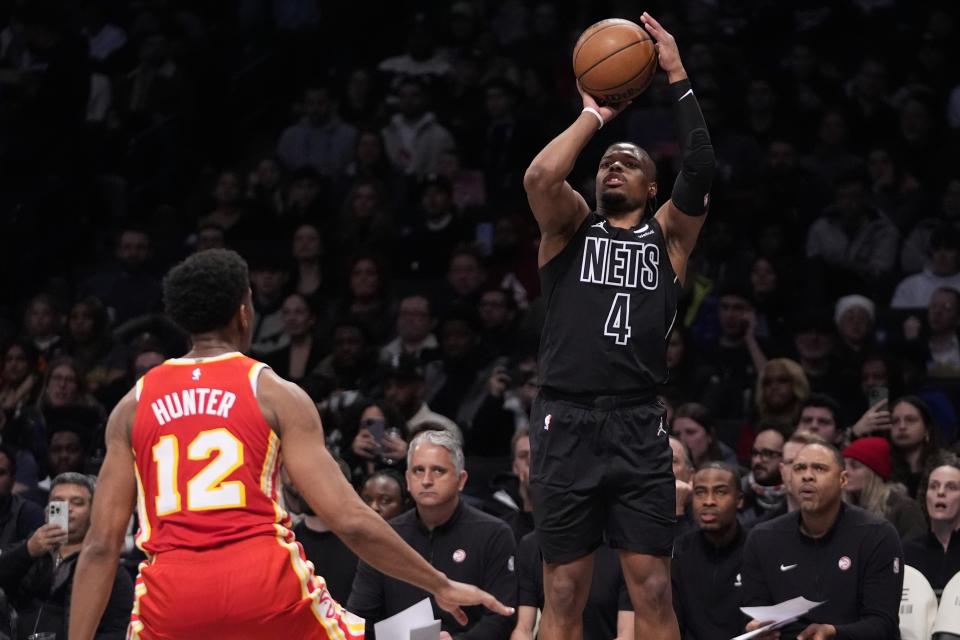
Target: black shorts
[[601, 467]]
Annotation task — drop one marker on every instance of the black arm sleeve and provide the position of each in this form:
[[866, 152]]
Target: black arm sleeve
[[692, 186], [882, 588]]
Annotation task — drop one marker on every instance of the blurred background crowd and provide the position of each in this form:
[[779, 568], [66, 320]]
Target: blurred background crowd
[[367, 161]]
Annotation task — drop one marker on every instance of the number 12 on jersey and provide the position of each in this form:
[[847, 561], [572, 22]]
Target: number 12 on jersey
[[618, 320], [207, 489]]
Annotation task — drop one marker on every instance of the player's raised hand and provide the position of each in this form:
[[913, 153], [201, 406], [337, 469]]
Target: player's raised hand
[[667, 51], [607, 111], [454, 595]]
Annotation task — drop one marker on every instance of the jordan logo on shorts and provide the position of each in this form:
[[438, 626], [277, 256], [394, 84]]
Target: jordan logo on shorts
[[661, 431]]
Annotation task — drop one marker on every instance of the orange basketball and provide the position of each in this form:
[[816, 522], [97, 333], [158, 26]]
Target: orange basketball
[[614, 60]]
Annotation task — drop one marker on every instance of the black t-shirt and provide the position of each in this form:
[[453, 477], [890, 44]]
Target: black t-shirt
[[706, 587], [608, 591], [331, 559], [611, 298], [926, 555]]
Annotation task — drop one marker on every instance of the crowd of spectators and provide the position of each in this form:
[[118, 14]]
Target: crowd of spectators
[[368, 164]]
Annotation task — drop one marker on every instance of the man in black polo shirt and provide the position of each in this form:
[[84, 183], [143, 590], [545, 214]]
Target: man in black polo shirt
[[463, 542], [706, 561], [829, 552]]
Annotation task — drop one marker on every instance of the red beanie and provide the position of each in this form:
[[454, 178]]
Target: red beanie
[[873, 452]]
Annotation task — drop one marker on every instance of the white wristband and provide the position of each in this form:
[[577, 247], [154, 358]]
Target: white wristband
[[594, 112]]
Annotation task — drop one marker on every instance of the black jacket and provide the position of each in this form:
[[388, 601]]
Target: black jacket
[[19, 518], [41, 594], [925, 554], [856, 568], [471, 547], [707, 585]]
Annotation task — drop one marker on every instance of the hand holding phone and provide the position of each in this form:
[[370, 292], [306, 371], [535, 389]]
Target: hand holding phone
[[58, 513], [377, 428], [876, 395]]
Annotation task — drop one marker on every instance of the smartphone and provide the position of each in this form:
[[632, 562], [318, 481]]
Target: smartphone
[[876, 394], [377, 428], [58, 513]]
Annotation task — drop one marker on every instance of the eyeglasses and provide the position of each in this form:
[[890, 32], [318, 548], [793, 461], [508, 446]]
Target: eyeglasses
[[766, 454]]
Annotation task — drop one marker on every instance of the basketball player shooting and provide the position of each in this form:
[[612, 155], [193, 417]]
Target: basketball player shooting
[[601, 460], [197, 444]]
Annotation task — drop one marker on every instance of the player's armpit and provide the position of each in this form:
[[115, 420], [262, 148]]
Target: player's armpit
[[680, 232], [113, 504]]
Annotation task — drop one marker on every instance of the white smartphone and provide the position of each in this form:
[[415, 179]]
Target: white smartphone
[[58, 513]]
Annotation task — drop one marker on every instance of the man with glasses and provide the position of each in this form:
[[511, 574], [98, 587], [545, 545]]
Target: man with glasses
[[763, 489]]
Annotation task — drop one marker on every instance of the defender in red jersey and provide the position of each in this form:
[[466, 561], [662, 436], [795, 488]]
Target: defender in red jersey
[[197, 444]]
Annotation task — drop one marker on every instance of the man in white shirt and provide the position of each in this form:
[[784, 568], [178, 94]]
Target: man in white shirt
[[942, 270]]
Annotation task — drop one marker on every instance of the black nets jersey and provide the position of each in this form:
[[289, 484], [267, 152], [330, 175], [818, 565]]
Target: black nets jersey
[[611, 302]]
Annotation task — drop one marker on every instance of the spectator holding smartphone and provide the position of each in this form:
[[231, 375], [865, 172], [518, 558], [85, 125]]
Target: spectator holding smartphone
[[381, 439], [37, 574], [876, 420]]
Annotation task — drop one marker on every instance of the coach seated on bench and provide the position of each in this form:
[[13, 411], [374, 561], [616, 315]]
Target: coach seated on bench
[[463, 542], [827, 551]]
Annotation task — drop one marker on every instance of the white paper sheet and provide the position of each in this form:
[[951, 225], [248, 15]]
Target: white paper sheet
[[399, 626], [431, 632], [779, 614]]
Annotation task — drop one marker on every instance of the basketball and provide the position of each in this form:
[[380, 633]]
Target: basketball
[[614, 60]]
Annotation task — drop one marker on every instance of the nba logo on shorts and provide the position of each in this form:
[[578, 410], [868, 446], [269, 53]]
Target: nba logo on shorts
[[896, 565], [546, 422]]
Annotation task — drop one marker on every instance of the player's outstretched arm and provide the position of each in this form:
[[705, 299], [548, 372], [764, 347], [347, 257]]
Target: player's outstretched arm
[[113, 503], [322, 485], [558, 208], [683, 215]]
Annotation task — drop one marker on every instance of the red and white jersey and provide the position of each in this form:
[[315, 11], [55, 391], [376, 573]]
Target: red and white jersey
[[206, 459]]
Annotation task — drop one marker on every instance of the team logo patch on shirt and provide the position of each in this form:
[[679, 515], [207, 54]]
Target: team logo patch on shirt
[[459, 555], [844, 563]]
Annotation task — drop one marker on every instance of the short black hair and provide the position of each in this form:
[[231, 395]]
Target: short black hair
[[735, 476], [395, 476], [82, 433], [203, 292], [831, 449], [823, 401]]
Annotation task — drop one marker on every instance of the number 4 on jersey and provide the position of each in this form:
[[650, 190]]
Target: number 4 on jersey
[[618, 320]]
